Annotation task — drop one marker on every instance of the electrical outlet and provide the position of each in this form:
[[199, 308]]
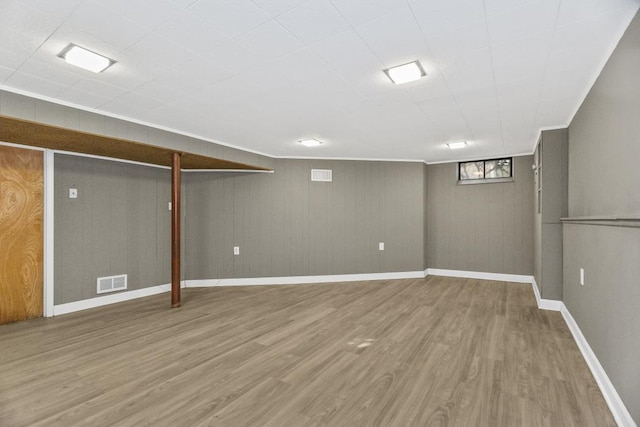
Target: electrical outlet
[[381, 246], [582, 276], [73, 193], [236, 250]]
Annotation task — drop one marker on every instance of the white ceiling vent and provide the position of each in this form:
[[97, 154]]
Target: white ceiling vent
[[322, 175], [112, 283]]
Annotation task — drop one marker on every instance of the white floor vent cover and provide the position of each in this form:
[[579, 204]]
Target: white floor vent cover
[[112, 283], [323, 175]]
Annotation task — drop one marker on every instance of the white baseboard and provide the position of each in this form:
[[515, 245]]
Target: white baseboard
[[480, 275], [70, 307], [618, 409], [545, 304], [295, 280]]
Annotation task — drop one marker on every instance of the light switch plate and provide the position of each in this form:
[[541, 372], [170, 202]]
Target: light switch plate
[[73, 193]]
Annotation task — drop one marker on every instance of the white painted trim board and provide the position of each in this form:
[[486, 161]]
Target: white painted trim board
[[294, 280], [518, 278], [71, 307], [616, 405], [48, 231]]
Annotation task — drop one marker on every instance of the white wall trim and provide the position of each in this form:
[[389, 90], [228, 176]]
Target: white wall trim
[[71, 307], [48, 231], [480, 275], [294, 280], [550, 304], [536, 291], [24, 147], [618, 409], [110, 159], [545, 304], [228, 170]]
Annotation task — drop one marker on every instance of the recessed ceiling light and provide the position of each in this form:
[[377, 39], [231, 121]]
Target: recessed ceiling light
[[405, 73], [83, 58], [310, 142], [456, 145]]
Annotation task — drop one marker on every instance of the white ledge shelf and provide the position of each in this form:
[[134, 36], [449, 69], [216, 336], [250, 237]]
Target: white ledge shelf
[[632, 221]]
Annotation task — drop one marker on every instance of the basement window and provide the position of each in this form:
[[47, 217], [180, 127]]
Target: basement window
[[486, 171]]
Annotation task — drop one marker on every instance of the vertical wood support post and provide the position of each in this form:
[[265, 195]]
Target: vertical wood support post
[[175, 230]]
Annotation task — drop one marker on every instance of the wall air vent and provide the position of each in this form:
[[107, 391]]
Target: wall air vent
[[322, 175], [112, 283]]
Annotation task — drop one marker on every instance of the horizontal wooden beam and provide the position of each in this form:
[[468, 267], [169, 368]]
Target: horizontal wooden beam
[[25, 132]]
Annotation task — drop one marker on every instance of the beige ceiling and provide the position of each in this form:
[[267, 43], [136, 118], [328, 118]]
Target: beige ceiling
[[263, 74]]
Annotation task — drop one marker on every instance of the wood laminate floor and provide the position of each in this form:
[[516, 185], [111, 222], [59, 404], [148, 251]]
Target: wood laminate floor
[[423, 352]]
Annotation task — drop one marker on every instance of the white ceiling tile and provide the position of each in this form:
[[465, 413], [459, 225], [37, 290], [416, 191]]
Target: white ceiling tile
[[5, 73], [494, 7], [612, 24], [443, 17], [522, 69], [83, 98], [278, 7], [535, 46], [234, 57], [100, 88], [11, 59], [106, 25], [526, 20], [579, 10], [155, 50], [468, 72], [231, 18], [190, 76], [349, 56], [151, 15], [23, 29], [191, 32], [518, 95], [35, 84], [397, 39], [314, 21], [184, 3], [270, 40], [56, 74], [155, 90], [131, 105], [359, 12], [435, 87], [306, 67], [460, 41]]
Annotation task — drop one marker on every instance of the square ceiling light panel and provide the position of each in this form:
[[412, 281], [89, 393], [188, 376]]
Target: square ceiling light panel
[[86, 59], [310, 142], [457, 145], [405, 73]]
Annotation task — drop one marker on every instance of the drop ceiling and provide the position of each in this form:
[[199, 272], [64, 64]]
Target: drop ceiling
[[263, 74]]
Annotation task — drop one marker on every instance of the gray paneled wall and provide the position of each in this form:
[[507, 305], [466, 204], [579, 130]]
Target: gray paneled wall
[[607, 307], [603, 181], [552, 170], [286, 225], [480, 227], [27, 108], [120, 223]]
